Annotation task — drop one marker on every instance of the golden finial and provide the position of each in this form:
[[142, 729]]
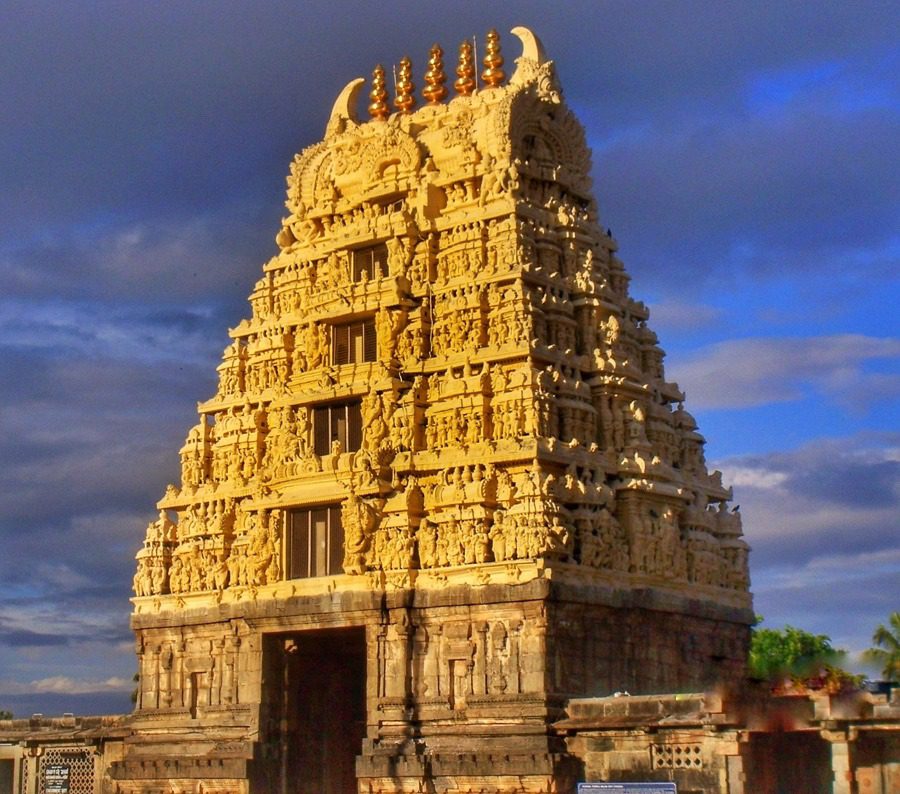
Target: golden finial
[[493, 75], [435, 78], [405, 99], [465, 70], [378, 108]]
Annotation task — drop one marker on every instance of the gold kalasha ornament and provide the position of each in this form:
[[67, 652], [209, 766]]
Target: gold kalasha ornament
[[493, 74], [406, 99], [379, 108], [465, 70], [435, 90]]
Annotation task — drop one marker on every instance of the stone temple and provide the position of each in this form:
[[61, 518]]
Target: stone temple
[[444, 485]]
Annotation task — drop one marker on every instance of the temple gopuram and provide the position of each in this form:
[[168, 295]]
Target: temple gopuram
[[444, 504], [444, 485]]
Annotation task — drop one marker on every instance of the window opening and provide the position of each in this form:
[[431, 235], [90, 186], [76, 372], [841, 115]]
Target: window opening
[[353, 343], [315, 542], [370, 263], [337, 422]]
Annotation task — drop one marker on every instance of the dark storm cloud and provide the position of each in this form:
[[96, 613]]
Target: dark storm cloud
[[210, 256], [62, 569], [18, 638], [835, 471], [822, 524], [872, 592], [804, 188], [131, 105], [63, 331], [95, 404], [839, 531], [78, 703], [148, 145], [829, 497], [833, 600], [114, 434], [852, 483]]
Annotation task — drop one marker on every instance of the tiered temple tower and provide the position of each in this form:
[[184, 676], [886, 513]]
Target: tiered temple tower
[[443, 485]]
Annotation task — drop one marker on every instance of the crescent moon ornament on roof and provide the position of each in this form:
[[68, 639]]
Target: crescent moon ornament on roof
[[532, 49], [345, 105]]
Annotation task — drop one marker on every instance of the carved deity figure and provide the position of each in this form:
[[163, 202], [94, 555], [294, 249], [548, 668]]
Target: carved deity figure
[[358, 519]]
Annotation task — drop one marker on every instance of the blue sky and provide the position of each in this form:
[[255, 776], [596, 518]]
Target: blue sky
[[745, 157]]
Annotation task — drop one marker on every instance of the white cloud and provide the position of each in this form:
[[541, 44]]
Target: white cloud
[[65, 685], [675, 315], [823, 488], [165, 260], [843, 567], [743, 373], [755, 477], [114, 333]]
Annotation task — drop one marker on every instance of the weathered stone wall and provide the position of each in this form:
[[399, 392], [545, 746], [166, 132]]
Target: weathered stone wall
[[602, 641], [745, 742], [461, 678]]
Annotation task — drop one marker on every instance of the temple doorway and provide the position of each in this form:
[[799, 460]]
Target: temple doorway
[[314, 711], [789, 762]]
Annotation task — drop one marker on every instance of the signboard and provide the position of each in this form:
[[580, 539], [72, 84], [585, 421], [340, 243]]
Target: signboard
[[56, 779], [627, 788]]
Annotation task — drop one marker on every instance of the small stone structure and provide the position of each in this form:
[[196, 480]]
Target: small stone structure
[[443, 488], [747, 742], [75, 752]]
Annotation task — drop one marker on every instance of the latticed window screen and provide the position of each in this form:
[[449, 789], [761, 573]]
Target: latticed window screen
[[370, 262], [337, 422], [677, 756], [315, 542], [353, 343], [69, 770]]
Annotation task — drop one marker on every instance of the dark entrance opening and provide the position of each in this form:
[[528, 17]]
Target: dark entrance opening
[[790, 762], [6, 776], [313, 711]]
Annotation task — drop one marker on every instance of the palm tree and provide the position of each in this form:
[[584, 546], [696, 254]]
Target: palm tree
[[888, 651]]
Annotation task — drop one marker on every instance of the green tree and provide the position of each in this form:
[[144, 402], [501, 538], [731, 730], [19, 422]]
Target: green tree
[[791, 658], [5, 715], [887, 650]]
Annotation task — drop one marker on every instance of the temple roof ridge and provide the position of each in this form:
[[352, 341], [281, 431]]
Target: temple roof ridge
[[533, 69]]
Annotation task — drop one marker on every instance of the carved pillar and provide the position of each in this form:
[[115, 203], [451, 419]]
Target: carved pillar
[[217, 672], [382, 650], [734, 769], [534, 655], [232, 646], [399, 675], [178, 664], [628, 511], [153, 678], [139, 650], [431, 641], [166, 663], [480, 673], [515, 673]]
